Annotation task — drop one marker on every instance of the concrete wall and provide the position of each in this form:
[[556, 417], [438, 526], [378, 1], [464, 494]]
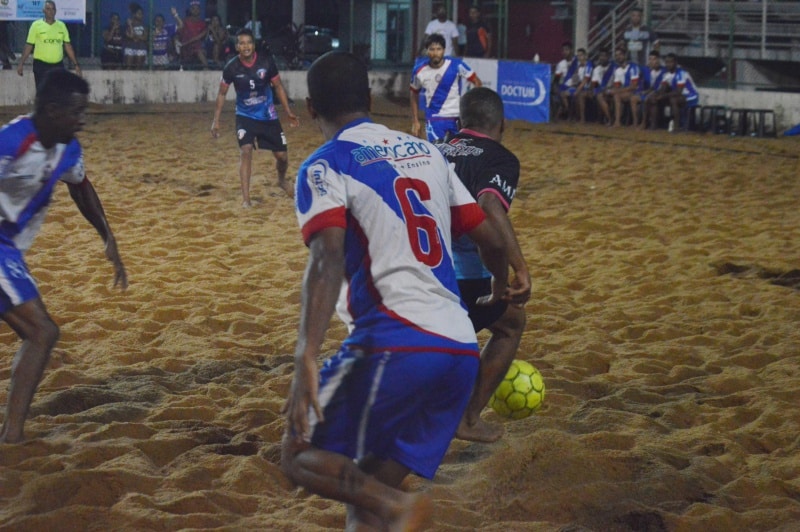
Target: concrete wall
[[188, 87], [124, 87]]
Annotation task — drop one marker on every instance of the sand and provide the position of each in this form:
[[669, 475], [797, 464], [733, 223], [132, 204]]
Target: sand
[[669, 352]]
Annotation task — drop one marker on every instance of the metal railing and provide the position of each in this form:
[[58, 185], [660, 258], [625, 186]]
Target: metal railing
[[609, 30]]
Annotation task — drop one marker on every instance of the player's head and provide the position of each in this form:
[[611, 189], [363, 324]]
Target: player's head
[[49, 10], [671, 62], [434, 47], [636, 16], [581, 53], [245, 43], [435, 38], [621, 55], [566, 50], [61, 101], [338, 85], [654, 60], [481, 109], [603, 57]]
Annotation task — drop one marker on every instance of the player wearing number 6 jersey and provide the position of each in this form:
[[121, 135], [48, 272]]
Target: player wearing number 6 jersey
[[254, 77], [377, 208]]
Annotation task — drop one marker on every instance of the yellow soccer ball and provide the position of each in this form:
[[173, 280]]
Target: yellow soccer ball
[[521, 392]]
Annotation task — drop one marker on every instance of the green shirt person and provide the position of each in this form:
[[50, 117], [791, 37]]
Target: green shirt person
[[48, 39]]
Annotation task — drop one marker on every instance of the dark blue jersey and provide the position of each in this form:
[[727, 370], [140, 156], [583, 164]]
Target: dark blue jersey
[[253, 85]]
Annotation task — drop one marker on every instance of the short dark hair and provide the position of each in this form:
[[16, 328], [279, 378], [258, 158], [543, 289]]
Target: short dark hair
[[435, 38], [671, 56], [637, 9], [57, 87], [566, 44], [655, 53], [582, 50], [245, 31], [338, 84], [481, 108]]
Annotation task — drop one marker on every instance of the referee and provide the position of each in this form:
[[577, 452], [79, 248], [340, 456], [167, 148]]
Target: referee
[[48, 39]]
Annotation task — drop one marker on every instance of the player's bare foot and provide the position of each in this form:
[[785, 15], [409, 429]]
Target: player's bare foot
[[481, 431], [287, 187], [415, 515], [246, 205]]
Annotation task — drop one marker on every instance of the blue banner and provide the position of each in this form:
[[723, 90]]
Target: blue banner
[[524, 88], [66, 10]]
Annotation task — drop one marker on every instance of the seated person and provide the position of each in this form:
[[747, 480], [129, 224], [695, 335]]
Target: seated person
[[602, 74], [677, 88], [626, 80], [565, 69], [580, 81], [651, 77]]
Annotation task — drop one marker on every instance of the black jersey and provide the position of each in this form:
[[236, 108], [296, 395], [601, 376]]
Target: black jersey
[[253, 85]]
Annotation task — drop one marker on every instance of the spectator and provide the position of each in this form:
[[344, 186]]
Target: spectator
[[639, 39], [256, 29], [574, 86], [192, 32], [479, 36], [6, 55], [446, 28], [163, 42], [439, 77], [135, 38], [111, 57], [602, 74], [626, 81], [48, 39], [565, 70], [218, 40]]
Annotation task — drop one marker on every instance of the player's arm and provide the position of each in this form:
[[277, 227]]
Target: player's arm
[[475, 80], [321, 284], [492, 250], [519, 290], [223, 91], [85, 197], [280, 93], [414, 100]]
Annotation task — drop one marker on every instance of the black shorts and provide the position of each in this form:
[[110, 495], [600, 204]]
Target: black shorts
[[482, 316], [268, 133]]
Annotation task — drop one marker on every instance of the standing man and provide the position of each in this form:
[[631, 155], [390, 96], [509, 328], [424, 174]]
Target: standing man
[[439, 78], [377, 208], [479, 36], [639, 39], [36, 152], [491, 174], [48, 39], [254, 77], [446, 28]]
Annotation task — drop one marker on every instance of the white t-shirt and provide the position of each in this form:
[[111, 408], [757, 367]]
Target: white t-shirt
[[446, 29]]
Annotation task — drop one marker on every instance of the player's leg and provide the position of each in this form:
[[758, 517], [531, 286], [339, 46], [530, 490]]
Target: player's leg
[[603, 103], [245, 171], [39, 334], [635, 100], [281, 166], [582, 97], [496, 357]]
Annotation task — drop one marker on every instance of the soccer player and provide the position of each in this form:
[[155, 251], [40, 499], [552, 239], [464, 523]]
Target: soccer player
[[564, 70], [48, 39], [377, 208], [439, 77], [254, 77], [579, 81], [602, 73], [626, 80], [36, 152], [491, 174], [651, 77]]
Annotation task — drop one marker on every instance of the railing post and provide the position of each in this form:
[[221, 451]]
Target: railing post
[[706, 28], [731, 29], [763, 28], [613, 31]]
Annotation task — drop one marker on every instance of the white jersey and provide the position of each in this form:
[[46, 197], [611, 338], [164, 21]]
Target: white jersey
[[446, 29], [442, 86], [28, 173], [399, 200]]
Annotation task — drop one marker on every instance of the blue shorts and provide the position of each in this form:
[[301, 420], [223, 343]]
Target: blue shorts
[[400, 406], [437, 128], [16, 284]]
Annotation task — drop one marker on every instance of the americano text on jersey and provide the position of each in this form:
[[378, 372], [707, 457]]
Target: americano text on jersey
[[365, 155]]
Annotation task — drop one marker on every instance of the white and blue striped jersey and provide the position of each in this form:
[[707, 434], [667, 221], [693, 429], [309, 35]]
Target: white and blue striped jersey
[[441, 85], [398, 200]]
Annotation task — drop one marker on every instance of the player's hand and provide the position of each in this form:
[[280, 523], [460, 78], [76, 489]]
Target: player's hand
[[214, 129], [499, 287], [304, 393], [112, 254], [415, 128], [293, 120], [519, 291], [19, 69], [78, 71]]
